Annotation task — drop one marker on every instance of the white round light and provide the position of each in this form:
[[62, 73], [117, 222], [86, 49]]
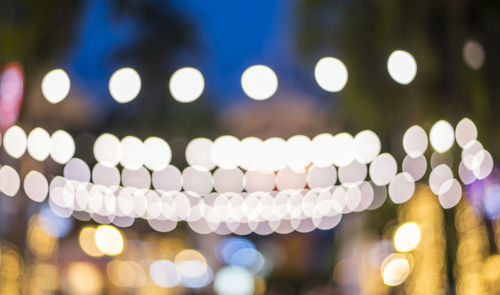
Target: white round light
[[108, 150], [14, 142], [158, 153], [331, 74], [442, 136], [186, 84], [383, 169], [465, 132], [198, 153], [415, 141], [63, 147], [402, 66], [259, 82], [36, 186], [226, 152], [366, 146], [124, 85], [9, 181], [134, 153], [39, 144], [55, 86]]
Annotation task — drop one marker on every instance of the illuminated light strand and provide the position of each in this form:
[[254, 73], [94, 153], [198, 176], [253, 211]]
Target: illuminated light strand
[[291, 185]]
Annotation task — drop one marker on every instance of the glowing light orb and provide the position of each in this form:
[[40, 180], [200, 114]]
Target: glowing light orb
[[55, 86], [39, 144], [395, 269], [186, 85], [402, 67], [15, 141], [415, 141], [86, 240], [124, 85], [407, 237], [331, 74], [232, 280], [442, 136], [259, 82], [63, 147], [109, 240], [158, 153], [473, 54], [164, 273], [36, 186], [465, 132], [226, 152]]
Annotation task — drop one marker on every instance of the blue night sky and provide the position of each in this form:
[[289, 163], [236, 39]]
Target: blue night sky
[[232, 35]]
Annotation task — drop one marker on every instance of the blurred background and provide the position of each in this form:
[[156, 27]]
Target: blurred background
[[438, 251]]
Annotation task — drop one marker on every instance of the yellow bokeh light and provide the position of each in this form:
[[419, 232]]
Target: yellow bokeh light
[[55, 86], [109, 240], [87, 242], [395, 269], [84, 278], [407, 237]]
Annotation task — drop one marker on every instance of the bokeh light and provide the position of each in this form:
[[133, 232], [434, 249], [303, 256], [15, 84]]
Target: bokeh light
[[186, 84], [407, 237], [124, 85], [109, 240], [259, 82], [108, 150], [36, 186], [164, 273], [87, 242], [39, 144], [473, 54], [395, 269], [55, 86], [231, 280], [402, 66], [331, 74], [15, 142], [442, 136], [63, 147]]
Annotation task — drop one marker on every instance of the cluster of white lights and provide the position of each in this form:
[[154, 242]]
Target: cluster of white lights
[[295, 184], [132, 153], [259, 82], [39, 144], [297, 152]]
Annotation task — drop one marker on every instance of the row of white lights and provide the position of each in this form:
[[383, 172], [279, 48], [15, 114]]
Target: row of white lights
[[197, 181], [259, 82]]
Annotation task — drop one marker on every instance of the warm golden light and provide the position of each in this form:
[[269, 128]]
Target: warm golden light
[[395, 269], [87, 242], [407, 237], [109, 240]]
